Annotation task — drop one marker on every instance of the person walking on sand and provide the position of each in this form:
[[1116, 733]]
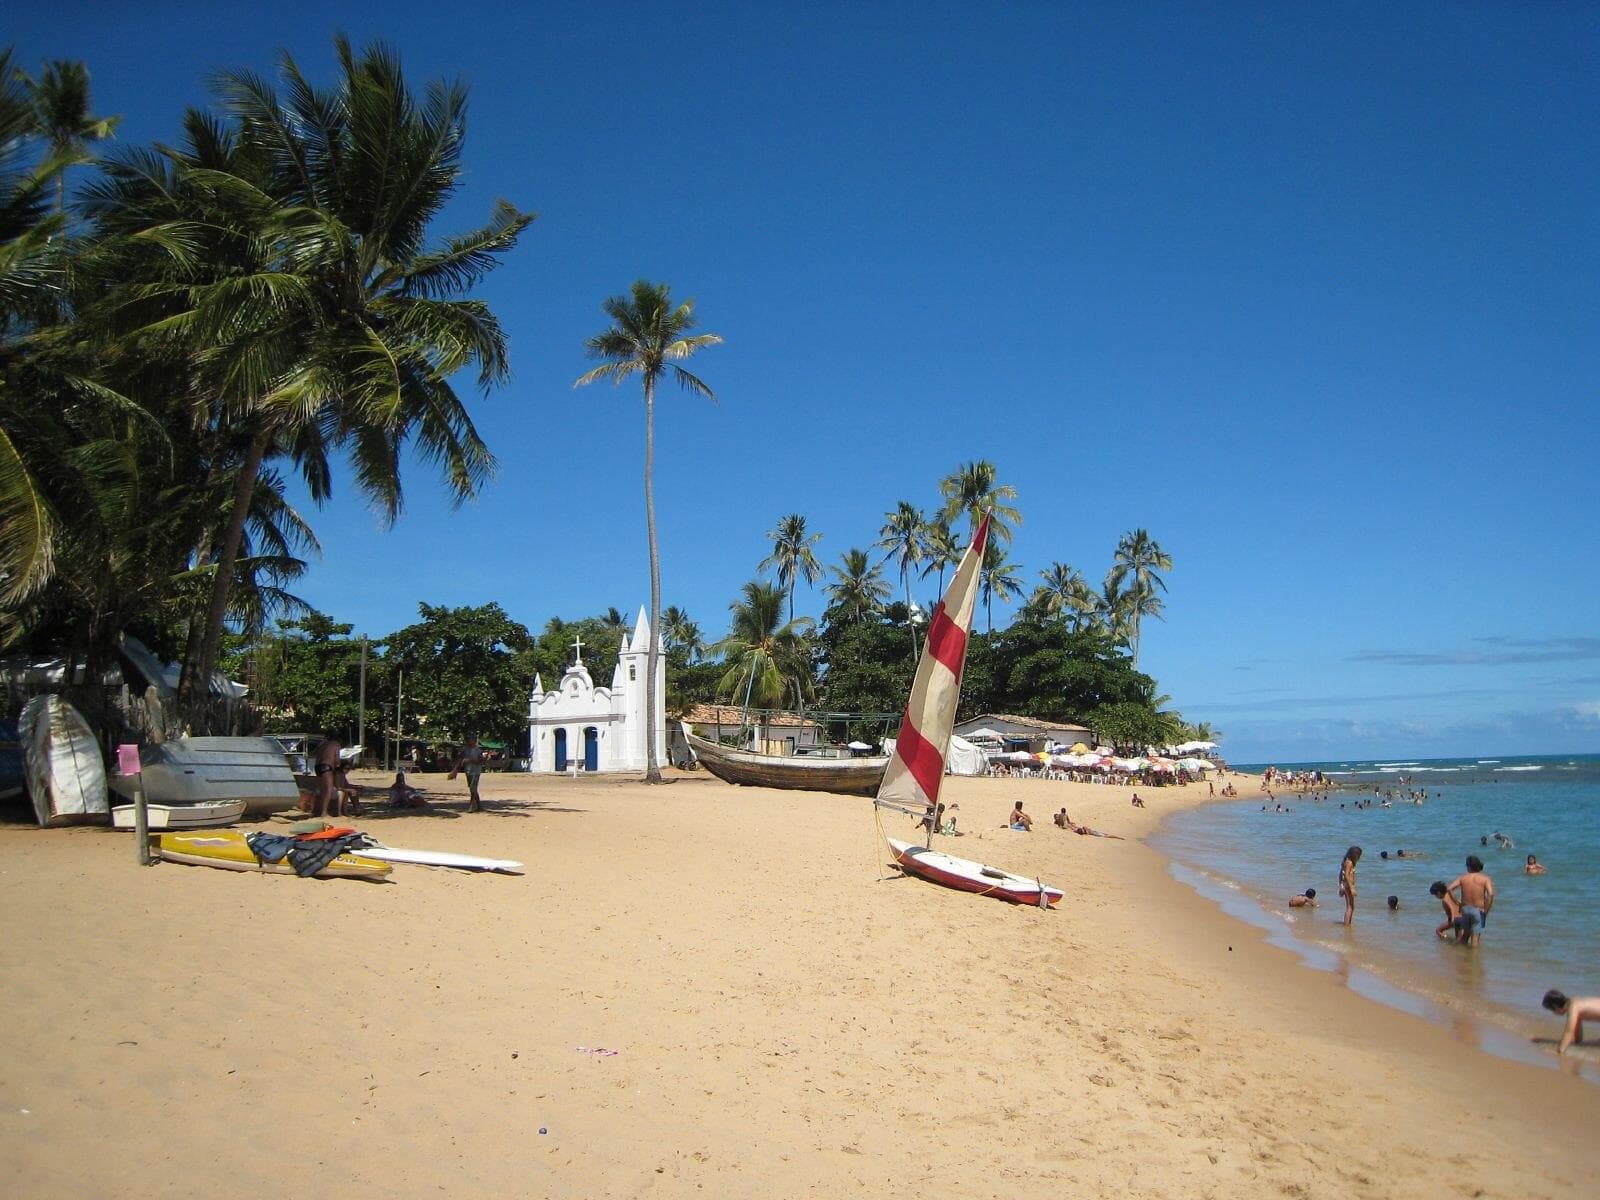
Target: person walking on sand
[[1576, 1010], [470, 760], [1347, 882], [1475, 890]]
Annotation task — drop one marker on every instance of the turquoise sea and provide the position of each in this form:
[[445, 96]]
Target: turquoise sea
[[1543, 929]]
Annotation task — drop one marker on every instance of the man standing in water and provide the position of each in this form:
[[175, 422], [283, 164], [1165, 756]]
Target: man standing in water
[[1475, 890]]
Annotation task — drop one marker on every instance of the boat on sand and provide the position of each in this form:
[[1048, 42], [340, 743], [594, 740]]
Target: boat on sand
[[809, 772], [206, 770], [180, 816], [61, 758], [916, 769]]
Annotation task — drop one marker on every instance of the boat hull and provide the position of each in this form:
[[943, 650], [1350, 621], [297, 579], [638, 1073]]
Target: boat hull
[[850, 776], [203, 770], [227, 850], [180, 816], [61, 757], [967, 876]]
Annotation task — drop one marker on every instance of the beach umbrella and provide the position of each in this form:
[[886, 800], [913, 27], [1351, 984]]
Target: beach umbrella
[[1079, 748]]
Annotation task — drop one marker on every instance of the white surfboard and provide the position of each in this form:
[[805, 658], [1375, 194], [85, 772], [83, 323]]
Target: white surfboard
[[440, 858]]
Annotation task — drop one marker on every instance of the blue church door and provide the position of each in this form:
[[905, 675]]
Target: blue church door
[[591, 749], [561, 749]]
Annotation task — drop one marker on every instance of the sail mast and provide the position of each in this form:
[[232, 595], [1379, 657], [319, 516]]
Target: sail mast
[[911, 782]]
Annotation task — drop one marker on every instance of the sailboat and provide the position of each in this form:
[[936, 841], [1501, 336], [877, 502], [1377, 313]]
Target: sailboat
[[916, 769]]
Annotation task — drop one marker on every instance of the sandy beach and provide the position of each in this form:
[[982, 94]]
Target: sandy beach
[[697, 989]]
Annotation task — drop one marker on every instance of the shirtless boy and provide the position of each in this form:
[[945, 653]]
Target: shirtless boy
[[1475, 890], [1021, 820], [1576, 1011], [1306, 899]]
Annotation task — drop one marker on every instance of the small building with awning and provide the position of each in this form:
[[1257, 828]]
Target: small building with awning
[[1003, 732]]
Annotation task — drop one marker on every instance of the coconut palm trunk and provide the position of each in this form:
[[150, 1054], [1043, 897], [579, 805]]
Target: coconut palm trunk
[[652, 771]]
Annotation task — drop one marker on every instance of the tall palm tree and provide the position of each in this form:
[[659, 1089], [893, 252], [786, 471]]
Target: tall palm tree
[[1064, 590], [972, 488], [766, 656], [680, 634], [792, 555], [1111, 611], [1136, 569], [904, 537], [942, 550], [858, 585], [998, 577], [60, 101], [319, 319], [649, 335]]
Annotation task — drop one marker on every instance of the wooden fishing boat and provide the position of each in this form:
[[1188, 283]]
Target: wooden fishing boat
[[61, 757], [227, 849], [808, 772], [967, 876], [180, 816], [206, 770]]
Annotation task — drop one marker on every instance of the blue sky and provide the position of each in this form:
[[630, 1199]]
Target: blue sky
[[1311, 295]]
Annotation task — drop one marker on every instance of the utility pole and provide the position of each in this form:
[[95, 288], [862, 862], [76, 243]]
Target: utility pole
[[361, 701]]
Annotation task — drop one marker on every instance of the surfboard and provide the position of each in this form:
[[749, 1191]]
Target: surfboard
[[440, 858]]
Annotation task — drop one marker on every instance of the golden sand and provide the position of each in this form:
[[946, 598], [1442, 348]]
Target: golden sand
[[789, 1018]]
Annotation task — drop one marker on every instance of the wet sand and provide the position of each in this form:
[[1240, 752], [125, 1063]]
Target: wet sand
[[789, 1017]]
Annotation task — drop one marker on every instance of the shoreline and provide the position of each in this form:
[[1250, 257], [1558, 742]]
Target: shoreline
[[788, 1015]]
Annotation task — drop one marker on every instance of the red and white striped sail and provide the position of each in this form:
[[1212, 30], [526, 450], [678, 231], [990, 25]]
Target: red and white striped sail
[[917, 768]]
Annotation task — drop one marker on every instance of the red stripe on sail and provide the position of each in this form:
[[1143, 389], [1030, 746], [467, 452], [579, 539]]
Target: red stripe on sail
[[947, 641], [922, 758]]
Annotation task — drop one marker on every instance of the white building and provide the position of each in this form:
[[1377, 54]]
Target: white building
[[577, 725]]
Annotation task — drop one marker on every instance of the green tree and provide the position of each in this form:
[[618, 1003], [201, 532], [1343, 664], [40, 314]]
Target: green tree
[[973, 489], [681, 637], [998, 577], [943, 550], [649, 335], [292, 238], [1136, 572], [466, 672], [858, 586], [60, 102], [766, 659], [864, 669], [305, 675], [904, 537], [1064, 592], [792, 555]]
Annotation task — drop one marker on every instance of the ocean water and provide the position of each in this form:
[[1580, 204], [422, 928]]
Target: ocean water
[[1542, 931]]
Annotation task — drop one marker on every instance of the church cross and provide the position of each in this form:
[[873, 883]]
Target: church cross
[[577, 650]]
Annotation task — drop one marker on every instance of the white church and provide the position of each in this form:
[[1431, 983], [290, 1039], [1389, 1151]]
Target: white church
[[577, 726]]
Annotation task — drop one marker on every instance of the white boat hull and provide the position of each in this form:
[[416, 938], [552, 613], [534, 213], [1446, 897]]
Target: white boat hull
[[66, 775], [201, 770], [180, 816], [967, 876]]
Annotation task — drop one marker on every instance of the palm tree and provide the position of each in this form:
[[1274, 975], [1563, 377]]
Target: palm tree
[[1138, 563], [904, 536], [792, 555], [858, 585], [680, 634], [998, 577], [295, 234], [943, 549], [766, 656], [972, 489], [60, 102], [1064, 592], [647, 336]]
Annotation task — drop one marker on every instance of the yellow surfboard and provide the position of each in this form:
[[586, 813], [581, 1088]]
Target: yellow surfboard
[[226, 848]]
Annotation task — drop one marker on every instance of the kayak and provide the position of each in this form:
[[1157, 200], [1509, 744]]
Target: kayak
[[180, 816], [227, 849]]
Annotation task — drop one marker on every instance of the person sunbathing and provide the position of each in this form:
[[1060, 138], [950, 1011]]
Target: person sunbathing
[[403, 795], [1019, 820]]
